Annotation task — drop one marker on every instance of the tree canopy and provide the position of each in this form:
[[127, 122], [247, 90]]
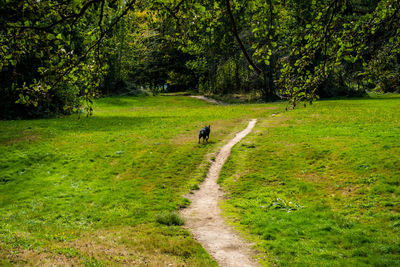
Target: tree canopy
[[57, 55]]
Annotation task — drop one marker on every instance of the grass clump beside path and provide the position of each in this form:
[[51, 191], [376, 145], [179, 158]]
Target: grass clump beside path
[[169, 218], [320, 185], [88, 191]]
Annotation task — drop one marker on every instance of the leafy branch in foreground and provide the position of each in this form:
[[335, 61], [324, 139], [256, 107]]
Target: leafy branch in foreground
[[336, 38], [299, 46], [53, 52]]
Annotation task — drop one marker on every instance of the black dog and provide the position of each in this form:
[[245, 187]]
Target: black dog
[[205, 133]]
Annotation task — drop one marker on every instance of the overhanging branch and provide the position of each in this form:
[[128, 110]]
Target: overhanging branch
[[235, 32]]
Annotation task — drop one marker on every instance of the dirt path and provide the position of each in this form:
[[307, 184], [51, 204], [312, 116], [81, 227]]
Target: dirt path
[[207, 99], [203, 217]]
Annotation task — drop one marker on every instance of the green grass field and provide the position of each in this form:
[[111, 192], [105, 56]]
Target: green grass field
[[92, 191], [311, 186], [320, 185]]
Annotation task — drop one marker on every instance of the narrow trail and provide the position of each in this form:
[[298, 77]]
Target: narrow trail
[[207, 99], [203, 217]]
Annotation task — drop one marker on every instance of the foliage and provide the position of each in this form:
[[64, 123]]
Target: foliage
[[295, 49], [53, 53], [300, 48], [335, 38]]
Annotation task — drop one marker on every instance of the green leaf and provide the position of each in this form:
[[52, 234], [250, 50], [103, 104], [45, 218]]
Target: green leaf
[[200, 7], [252, 5], [348, 58]]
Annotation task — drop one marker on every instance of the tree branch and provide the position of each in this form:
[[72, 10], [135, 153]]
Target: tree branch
[[178, 5], [256, 69], [102, 35], [47, 28], [171, 12]]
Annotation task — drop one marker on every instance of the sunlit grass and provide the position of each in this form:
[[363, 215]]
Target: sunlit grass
[[320, 185], [89, 191], [313, 186]]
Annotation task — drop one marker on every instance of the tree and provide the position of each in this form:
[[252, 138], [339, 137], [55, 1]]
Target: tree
[[56, 55], [52, 53]]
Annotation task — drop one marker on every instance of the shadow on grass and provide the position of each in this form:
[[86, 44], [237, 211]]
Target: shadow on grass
[[206, 143], [367, 97], [104, 124], [49, 128]]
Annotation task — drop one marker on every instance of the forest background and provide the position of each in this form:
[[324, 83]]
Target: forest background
[[56, 56]]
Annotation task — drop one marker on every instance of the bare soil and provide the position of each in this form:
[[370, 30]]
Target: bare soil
[[203, 217], [207, 99]]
